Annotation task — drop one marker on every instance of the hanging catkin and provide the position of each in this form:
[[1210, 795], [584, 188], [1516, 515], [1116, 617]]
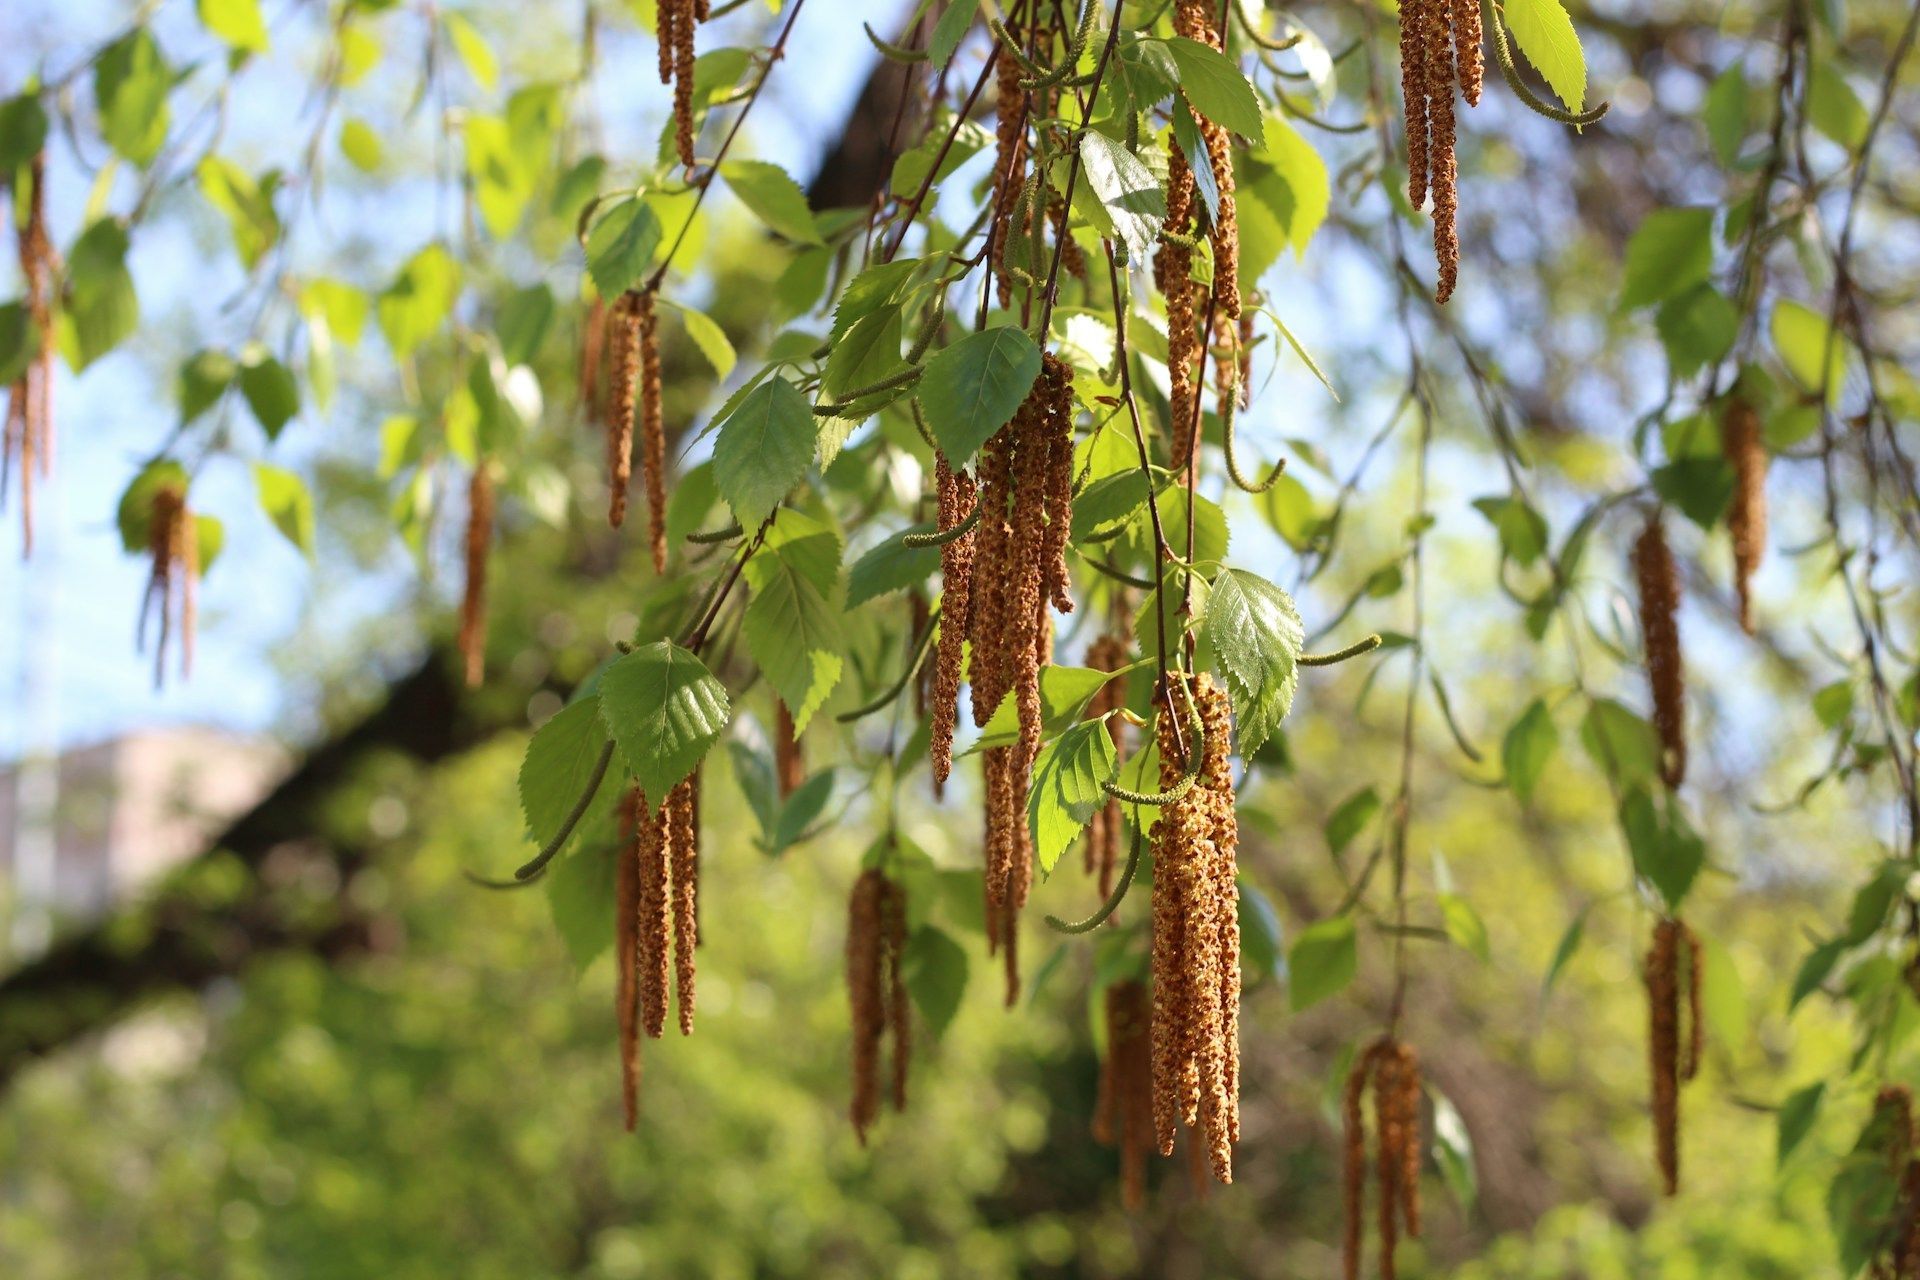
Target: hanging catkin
[[1659, 624], [1392, 1069], [1196, 937], [1173, 276], [1673, 1053], [173, 550], [1123, 1112], [789, 761], [956, 504], [1439, 50], [1107, 653], [676, 23], [473, 597], [1747, 515], [624, 330], [683, 848], [28, 434], [626, 950], [876, 994], [1194, 19], [1009, 156], [653, 436], [656, 918]]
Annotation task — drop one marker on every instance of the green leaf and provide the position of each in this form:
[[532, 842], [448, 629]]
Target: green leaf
[[130, 84], [247, 203], [1545, 34], [360, 143], [1813, 971], [1351, 818], [620, 245], [1528, 748], [1697, 328], [1666, 852], [955, 21], [1134, 202], [1064, 695], [102, 307], [419, 300], [1106, 502], [1620, 742], [774, 197], [1723, 999], [1256, 635], [579, 889], [935, 969], [23, 131], [972, 388], [1725, 114], [1523, 531], [134, 516], [270, 391], [665, 710], [285, 499], [1796, 1118], [1215, 87], [20, 341], [1066, 788], [1261, 941], [1671, 251], [1563, 952], [344, 306], [1322, 961], [1834, 108], [1873, 900], [891, 566], [523, 323], [1302, 172], [559, 764], [1464, 926], [1806, 343], [763, 450], [793, 631], [238, 22], [868, 351], [800, 811], [474, 52], [711, 339]]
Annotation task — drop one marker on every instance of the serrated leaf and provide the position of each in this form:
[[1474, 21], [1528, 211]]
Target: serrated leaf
[[559, 764], [764, 449], [1545, 34], [1064, 695], [972, 388], [866, 353], [935, 969], [1256, 635], [891, 566], [620, 245], [794, 633], [1528, 748], [774, 197], [1066, 788], [285, 499], [1215, 87], [1666, 852], [579, 888], [955, 21], [665, 710], [1322, 961], [1133, 199], [711, 339]]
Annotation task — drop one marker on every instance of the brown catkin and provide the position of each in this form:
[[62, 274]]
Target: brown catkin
[[28, 434], [1123, 1117], [1747, 515], [173, 549], [1226, 228], [1663, 1047], [1057, 431], [1173, 275], [1469, 61], [683, 78], [1196, 939], [653, 436], [992, 577], [1659, 623], [683, 845], [1414, 16], [1009, 158], [789, 761], [1353, 1170], [626, 951], [864, 997], [624, 337], [1444, 175], [656, 918], [956, 503], [473, 599], [1392, 1069], [1107, 653]]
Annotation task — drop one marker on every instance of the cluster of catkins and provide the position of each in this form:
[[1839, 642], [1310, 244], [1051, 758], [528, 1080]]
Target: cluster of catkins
[[28, 439], [1673, 1050], [473, 598], [173, 549], [1173, 262], [1891, 1130], [876, 939], [656, 921], [631, 339], [998, 593], [1123, 1111], [1108, 652], [1439, 50], [1009, 161], [1747, 515], [1196, 931], [1393, 1070], [677, 19]]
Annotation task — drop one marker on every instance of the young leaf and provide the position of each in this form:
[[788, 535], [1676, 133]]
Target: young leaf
[[130, 84], [237, 22], [793, 631], [891, 566], [270, 391], [1322, 962], [935, 969], [579, 889], [1528, 748], [665, 710], [419, 300], [1563, 951], [101, 303], [1464, 926], [1351, 818], [620, 246], [775, 198], [558, 764], [284, 497], [763, 450], [1256, 636], [1134, 201], [1066, 788], [1671, 251], [1216, 88], [1064, 695], [1545, 34], [23, 131], [972, 388]]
